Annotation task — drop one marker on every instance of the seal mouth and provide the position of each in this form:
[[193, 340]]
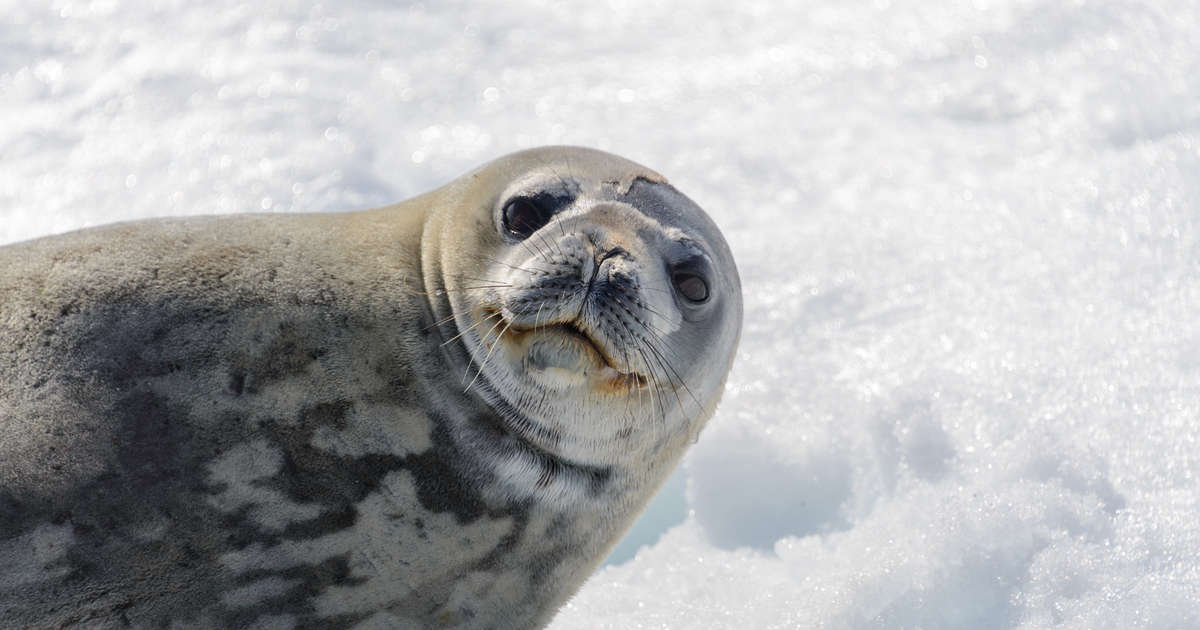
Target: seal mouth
[[606, 372]]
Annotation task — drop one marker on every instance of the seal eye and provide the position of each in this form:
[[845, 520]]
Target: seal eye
[[691, 286], [524, 216]]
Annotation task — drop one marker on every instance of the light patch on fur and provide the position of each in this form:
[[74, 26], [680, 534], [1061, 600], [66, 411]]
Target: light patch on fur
[[34, 555], [389, 524], [378, 429], [257, 592], [238, 469], [485, 589], [393, 546], [518, 476], [646, 174], [280, 402]]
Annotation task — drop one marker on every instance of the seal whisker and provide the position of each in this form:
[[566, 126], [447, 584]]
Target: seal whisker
[[656, 332], [652, 376], [568, 163], [644, 324], [443, 291], [538, 316], [567, 185], [654, 387], [658, 344], [642, 304], [483, 340], [478, 288], [554, 245], [659, 359], [658, 350], [528, 242], [487, 358], [491, 280], [441, 321], [549, 243], [567, 188], [472, 326], [497, 261], [561, 229], [663, 362], [641, 382], [668, 369]]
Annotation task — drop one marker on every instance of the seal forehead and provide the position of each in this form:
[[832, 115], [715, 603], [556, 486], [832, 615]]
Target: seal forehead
[[668, 206], [607, 177], [578, 163]]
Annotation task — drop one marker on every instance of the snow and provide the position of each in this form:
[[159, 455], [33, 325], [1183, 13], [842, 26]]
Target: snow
[[968, 392]]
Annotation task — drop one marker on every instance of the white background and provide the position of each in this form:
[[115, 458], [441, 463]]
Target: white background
[[968, 392]]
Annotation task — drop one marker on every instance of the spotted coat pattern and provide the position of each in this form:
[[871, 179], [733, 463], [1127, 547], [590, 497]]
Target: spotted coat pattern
[[184, 449], [258, 421]]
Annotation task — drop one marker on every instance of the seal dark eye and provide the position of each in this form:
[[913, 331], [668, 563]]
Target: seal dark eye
[[524, 215], [691, 286]]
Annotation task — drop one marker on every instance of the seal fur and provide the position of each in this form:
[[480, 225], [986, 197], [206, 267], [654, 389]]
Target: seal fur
[[403, 417]]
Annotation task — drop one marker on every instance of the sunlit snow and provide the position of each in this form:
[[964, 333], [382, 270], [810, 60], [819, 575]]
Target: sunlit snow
[[968, 392]]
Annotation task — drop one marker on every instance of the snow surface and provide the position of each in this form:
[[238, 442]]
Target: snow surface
[[968, 392]]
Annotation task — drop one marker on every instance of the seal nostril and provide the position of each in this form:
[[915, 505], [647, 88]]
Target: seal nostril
[[612, 253]]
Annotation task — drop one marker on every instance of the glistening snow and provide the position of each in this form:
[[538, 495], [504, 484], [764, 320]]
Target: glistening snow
[[968, 392]]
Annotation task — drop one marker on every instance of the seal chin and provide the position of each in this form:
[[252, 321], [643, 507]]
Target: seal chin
[[532, 443]]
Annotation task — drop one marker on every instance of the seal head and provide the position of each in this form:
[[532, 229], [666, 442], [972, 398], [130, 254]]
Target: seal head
[[592, 305]]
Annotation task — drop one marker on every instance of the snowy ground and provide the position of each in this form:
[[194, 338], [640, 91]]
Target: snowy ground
[[968, 394]]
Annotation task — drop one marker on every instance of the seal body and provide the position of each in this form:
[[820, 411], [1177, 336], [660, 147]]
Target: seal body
[[440, 413]]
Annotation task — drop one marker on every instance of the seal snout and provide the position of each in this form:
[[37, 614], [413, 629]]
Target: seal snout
[[587, 287]]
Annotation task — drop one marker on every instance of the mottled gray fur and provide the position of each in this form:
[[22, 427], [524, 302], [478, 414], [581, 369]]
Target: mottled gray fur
[[255, 421]]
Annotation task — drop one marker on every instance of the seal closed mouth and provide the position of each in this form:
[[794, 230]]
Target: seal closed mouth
[[574, 332], [567, 346]]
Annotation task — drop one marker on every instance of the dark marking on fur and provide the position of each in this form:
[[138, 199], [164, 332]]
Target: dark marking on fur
[[289, 353], [298, 600], [151, 439], [237, 382], [146, 517]]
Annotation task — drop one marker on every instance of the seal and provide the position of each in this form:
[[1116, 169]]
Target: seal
[[440, 413]]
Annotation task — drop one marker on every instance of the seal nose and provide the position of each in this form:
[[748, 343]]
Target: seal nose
[[611, 239], [611, 252], [600, 256]]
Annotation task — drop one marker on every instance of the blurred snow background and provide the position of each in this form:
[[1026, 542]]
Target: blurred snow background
[[968, 393]]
